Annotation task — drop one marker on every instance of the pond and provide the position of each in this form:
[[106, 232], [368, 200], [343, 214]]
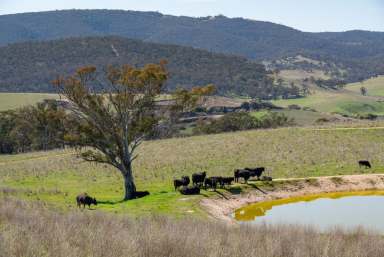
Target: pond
[[347, 210]]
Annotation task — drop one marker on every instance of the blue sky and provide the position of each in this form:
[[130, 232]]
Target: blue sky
[[307, 15]]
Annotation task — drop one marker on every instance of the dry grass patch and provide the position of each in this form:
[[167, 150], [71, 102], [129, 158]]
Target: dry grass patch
[[32, 230]]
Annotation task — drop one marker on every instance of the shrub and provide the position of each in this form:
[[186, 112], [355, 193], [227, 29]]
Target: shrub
[[242, 121], [322, 120], [294, 107], [367, 116]]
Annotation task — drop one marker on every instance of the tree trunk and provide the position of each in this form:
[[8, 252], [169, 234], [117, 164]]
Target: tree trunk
[[129, 184]]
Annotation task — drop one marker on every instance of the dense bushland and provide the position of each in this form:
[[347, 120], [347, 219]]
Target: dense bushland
[[36, 64], [33, 230], [360, 53], [46, 125], [238, 121], [38, 127]]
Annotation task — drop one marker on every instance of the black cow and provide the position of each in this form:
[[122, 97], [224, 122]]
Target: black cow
[[365, 164], [256, 172], [85, 199], [184, 181], [245, 174], [227, 181], [211, 182], [141, 194], [194, 190], [198, 178]]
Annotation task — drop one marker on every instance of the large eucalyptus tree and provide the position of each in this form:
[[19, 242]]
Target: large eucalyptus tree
[[109, 125]]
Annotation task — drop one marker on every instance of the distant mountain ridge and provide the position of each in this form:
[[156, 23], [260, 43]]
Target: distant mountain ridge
[[31, 66], [358, 52]]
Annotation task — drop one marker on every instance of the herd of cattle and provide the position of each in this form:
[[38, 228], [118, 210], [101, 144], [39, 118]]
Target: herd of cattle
[[200, 180]]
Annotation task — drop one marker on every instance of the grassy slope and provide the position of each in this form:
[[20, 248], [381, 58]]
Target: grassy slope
[[374, 86], [343, 101], [16, 100], [56, 177]]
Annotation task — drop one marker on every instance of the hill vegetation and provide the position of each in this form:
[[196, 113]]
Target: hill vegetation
[[358, 53], [35, 65]]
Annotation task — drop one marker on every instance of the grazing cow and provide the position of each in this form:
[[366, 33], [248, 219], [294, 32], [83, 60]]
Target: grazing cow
[[198, 178], [141, 194], [193, 190], [256, 172], [365, 164], [245, 174], [227, 181], [184, 181], [85, 199], [211, 182]]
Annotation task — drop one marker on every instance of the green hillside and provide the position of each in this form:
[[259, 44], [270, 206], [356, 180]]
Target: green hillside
[[374, 86], [347, 101], [56, 177]]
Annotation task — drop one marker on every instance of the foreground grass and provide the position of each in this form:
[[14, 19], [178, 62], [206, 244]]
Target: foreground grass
[[32, 230], [56, 177]]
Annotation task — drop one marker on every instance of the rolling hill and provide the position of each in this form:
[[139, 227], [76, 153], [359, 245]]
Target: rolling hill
[[358, 52], [31, 66], [347, 100]]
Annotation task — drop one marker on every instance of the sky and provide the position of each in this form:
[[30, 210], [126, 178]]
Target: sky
[[306, 15]]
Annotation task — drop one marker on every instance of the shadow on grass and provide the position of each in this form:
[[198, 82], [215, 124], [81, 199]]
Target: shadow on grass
[[111, 202], [257, 188], [234, 190]]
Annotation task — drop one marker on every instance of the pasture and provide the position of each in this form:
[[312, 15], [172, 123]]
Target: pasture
[[16, 100], [343, 101], [374, 86], [56, 177]]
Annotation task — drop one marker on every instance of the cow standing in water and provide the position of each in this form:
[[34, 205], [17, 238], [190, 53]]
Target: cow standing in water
[[85, 199]]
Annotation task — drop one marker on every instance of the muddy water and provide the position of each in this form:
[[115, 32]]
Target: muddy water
[[347, 210]]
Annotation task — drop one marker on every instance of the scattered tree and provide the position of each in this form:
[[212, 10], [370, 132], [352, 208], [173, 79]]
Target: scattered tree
[[363, 91], [112, 124]]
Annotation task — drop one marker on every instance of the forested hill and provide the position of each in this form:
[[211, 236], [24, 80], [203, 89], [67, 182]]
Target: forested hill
[[31, 66], [358, 52]]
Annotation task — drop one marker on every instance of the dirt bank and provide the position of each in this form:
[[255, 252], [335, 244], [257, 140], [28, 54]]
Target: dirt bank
[[221, 207]]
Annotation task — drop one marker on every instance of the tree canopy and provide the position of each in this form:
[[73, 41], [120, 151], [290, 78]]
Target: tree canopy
[[110, 125]]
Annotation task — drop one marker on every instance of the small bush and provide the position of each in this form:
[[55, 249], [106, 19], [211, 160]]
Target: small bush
[[294, 107], [322, 120], [367, 116]]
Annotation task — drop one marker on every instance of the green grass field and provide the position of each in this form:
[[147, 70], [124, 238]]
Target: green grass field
[[56, 177], [375, 86], [15, 100], [343, 101]]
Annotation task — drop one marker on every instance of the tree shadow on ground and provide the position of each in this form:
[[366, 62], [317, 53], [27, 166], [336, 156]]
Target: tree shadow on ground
[[234, 190], [257, 188], [110, 202]]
